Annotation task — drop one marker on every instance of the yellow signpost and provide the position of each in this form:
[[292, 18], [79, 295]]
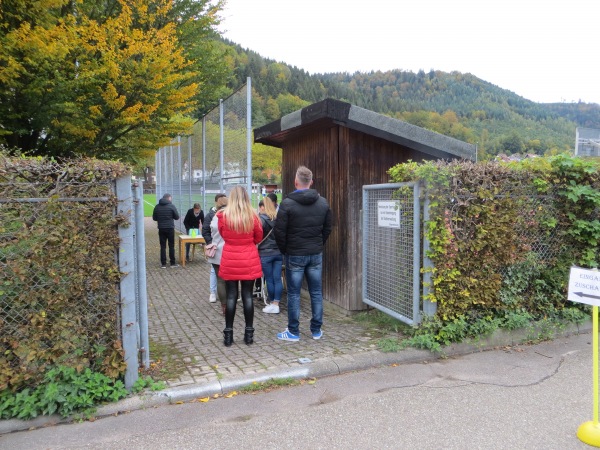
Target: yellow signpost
[[584, 287]]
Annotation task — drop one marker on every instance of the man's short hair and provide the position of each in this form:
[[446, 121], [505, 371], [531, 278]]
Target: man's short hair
[[218, 196], [167, 196], [196, 205], [304, 175]]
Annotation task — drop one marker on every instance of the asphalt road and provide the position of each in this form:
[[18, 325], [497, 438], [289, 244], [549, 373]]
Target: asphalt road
[[524, 397]]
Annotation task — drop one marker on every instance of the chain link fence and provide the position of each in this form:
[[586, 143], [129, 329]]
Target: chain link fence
[[215, 157]]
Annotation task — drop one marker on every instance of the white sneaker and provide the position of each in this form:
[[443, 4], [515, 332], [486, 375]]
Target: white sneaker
[[271, 309], [212, 298]]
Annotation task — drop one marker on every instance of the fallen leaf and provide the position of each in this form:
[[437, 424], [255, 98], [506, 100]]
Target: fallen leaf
[[204, 400], [179, 403], [231, 394], [216, 396]]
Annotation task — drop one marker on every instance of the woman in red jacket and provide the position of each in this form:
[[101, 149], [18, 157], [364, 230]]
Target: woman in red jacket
[[241, 230]]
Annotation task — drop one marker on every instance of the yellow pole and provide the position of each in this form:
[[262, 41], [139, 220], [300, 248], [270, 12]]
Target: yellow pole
[[589, 432], [595, 359]]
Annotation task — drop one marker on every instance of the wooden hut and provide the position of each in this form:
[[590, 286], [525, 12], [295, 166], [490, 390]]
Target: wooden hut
[[347, 147]]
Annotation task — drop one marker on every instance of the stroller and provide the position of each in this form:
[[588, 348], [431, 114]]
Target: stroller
[[260, 287]]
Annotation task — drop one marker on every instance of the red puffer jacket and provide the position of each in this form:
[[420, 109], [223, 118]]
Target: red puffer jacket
[[240, 260]]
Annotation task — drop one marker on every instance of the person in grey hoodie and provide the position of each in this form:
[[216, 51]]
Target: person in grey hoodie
[[165, 214]]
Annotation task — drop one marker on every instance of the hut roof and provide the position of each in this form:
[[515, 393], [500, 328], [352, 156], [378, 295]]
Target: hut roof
[[328, 112]]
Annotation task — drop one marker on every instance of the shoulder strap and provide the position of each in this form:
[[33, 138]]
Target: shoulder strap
[[265, 238]]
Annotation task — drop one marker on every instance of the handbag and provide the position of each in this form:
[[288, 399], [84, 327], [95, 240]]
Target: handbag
[[210, 250]]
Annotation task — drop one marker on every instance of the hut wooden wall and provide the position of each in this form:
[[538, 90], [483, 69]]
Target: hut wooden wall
[[342, 161]]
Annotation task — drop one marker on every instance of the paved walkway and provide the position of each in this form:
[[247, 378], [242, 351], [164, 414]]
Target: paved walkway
[[181, 318]]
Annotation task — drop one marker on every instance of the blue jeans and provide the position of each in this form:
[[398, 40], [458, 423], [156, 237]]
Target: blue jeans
[[296, 267], [213, 280], [271, 267]]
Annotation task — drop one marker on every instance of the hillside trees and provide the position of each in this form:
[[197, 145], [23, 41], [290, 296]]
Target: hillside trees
[[108, 79]]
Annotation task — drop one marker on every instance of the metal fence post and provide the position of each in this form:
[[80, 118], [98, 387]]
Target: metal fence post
[[416, 253], [127, 268], [204, 163], [221, 143], [249, 136], [141, 274]]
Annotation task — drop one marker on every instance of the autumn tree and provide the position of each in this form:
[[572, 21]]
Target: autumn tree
[[99, 78], [266, 163]]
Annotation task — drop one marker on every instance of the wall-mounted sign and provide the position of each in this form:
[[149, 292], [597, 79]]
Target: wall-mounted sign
[[388, 214]]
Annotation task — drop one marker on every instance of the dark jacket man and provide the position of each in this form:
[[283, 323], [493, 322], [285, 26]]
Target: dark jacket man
[[192, 220], [303, 223], [165, 213]]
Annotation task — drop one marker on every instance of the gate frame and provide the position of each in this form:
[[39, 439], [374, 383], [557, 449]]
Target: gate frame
[[416, 294]]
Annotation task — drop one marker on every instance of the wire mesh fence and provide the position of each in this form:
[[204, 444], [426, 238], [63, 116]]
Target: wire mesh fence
[[391, 249], [58, 294], [215, 157]]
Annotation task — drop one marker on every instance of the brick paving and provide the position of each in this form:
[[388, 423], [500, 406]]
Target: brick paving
[[182, 320]]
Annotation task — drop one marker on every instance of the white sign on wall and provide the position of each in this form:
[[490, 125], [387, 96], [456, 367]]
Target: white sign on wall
[[388, 214], [584, 286]]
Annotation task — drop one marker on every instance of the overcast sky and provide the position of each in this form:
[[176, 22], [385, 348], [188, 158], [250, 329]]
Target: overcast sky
[[545, 51]]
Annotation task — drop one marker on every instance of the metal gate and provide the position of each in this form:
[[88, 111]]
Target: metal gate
[[392, 249]]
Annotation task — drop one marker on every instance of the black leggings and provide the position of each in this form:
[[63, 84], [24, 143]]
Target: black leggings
[[231, 288]]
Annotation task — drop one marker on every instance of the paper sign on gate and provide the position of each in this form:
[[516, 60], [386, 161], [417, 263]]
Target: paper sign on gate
[[584, 286], [388, 214]]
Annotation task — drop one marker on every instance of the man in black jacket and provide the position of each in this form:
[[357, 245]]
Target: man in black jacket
[[165, 214], [302, 227]]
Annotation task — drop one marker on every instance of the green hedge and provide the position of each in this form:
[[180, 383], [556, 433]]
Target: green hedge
[[59, 275], [504, 235]]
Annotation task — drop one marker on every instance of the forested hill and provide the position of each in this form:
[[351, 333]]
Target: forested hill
[[455, 104]]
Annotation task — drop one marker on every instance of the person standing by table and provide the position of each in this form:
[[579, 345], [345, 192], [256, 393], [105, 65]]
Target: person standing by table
[[165, 214], [240, 228], [193, 220], [303, 224]]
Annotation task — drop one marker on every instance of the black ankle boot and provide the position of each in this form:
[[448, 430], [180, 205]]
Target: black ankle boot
[[228, 337], [249, 335]]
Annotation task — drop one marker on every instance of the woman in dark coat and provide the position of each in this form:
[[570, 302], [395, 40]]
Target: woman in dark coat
[[270, 256], [240, 228]]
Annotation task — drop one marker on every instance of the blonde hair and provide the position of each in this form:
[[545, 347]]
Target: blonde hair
[[269, 208], [239, 213]]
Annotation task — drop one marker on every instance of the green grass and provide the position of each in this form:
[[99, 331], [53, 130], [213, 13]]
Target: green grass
[[381, 323], [167, 362], [270, 384], [149, 203]]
